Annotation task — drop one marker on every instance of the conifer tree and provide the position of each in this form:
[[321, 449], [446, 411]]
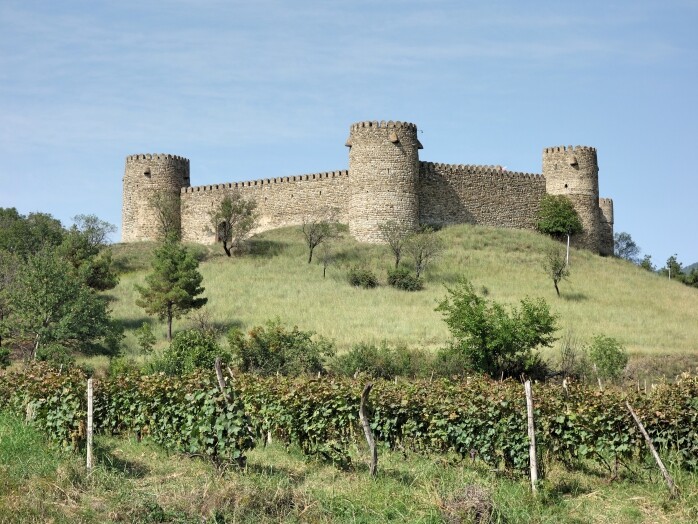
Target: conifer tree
[[172, 288]]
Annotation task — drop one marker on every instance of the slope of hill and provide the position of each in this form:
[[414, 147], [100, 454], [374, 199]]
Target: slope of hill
[[649, 314]]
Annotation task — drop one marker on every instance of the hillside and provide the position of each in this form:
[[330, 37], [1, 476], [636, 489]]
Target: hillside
[[651, 315]]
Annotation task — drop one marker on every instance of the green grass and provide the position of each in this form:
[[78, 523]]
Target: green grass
[[650, 315], [138, 482]]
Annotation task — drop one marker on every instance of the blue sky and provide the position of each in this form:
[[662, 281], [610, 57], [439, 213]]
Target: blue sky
[[268, 88]]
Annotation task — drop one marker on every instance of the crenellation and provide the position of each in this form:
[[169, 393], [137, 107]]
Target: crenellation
[[386, 180]]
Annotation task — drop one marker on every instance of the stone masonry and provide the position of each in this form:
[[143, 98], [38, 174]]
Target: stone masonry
[[385, 181]]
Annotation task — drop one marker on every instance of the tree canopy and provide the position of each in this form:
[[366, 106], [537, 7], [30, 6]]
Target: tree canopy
[[557, 217], [625, 247], [233, 220]]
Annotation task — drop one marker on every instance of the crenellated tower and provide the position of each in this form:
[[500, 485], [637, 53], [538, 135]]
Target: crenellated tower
[[574, 172], [145, 177], [384, 170]]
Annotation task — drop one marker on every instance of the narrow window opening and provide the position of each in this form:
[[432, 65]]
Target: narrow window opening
[[147, 172]]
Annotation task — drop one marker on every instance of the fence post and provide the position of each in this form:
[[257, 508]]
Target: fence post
[[367, 429], [531, 437], [89, 424]]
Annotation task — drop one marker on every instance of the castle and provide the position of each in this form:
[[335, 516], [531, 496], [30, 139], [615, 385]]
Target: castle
[[385, 181]]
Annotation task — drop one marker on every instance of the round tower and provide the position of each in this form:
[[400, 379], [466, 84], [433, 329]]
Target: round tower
[[574, 172], [146, 178], [383, 174]]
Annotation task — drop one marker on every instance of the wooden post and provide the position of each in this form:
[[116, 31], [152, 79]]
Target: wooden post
[[89, 424], [531, 437], [367, 429], [665, 473], [221, 382]]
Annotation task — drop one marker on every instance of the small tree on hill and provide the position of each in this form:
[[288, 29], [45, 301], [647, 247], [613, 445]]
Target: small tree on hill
[[395, 235], [424, 247], [646, 263], [318, 228], [558, 218], [172, 288], [625, 247], [493, 340], [233, 220], [556, 268]]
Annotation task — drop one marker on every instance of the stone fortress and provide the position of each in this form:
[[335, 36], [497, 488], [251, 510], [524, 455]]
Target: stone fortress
[[385, 181]]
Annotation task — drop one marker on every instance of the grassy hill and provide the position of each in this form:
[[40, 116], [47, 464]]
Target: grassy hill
[[650, 315]]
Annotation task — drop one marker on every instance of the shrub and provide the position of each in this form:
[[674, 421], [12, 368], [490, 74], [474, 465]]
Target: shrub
[[382, 361], [146, 338], [275, 349], [191, 349], [362, 277], [609, 356], [4, 357], [401, 278]]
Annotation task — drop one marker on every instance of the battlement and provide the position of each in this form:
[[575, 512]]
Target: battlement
[[157, 157], [569, 149], [605, 201], [267, 181], [433, 167], [384, 125]]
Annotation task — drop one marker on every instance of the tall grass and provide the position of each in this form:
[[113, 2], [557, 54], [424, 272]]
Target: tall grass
[[650, 315]]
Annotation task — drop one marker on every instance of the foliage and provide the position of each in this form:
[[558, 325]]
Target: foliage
[[146, 337], [494, 341], [190, 350], [172, 288], [646, 263], [26, 235], [362, 277], [557, 217], [573, 358], [609, 356], [382, 362], [51, 306], [556, 267], [274, 348], [625, 247], [167, 209], [673, 269], [233, 220], [4, 357], [319, 228], [401, 278], [394, 235], [423, 247]]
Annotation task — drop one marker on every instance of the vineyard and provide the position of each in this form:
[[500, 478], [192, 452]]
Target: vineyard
[[479, 419]]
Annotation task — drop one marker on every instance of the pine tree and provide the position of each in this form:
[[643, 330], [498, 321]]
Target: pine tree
[[171, 289]]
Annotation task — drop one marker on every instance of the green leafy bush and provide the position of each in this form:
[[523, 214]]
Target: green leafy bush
[[362, 277], [609, 356], [146, 337], [192, 349], [383, 362], [274, 348], [401, 278]]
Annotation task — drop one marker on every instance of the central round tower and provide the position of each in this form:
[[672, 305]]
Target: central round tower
[[147, 178], [383, 173], [574, 172]]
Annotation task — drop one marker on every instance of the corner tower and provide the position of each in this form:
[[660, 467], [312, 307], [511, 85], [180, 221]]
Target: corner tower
[[574, 172], [145, 177], [383, 173]]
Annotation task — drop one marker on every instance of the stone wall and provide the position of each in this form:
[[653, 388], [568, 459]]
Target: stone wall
[[484, 195], [280, 202]]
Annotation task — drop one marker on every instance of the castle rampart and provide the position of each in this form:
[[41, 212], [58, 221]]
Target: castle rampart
[[386, 180]]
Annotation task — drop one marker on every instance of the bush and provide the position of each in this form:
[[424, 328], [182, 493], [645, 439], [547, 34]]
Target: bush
[[609, 356], [362, 277], [493, 340], [55, 355], [401, 278], [277, 349], [191, 349], [146, 338], [382, 362], [4, 357]]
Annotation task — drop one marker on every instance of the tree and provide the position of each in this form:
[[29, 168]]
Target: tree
[[172, 288], [51, 308], [424, 247], [167, 208], [493, 340], [608, 356], [624, 247], [556, 267], [673, 269], [646, 263], [233, 220], [395, 235], [319, 228], [8, 271], [558, 218], [24, 236]]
